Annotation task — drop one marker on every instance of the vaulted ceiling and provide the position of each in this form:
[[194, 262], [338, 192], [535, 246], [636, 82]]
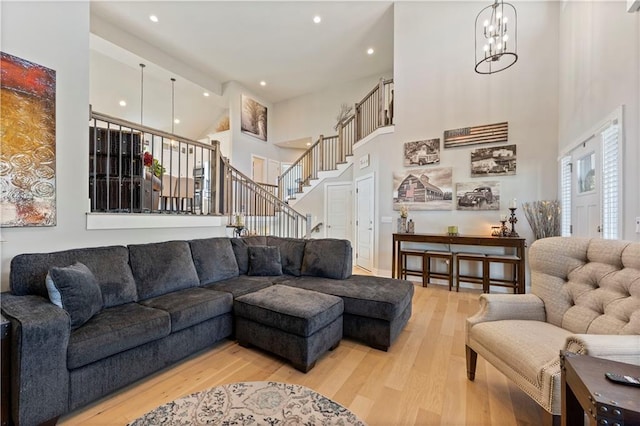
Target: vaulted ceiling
[[208, 43]]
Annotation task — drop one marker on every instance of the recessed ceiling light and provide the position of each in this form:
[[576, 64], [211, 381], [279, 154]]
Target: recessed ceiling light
[[123, 103], [205, 94], [263, 83], [317, 19], [177, 121], [153, 18], [370, 51], [308, 143]]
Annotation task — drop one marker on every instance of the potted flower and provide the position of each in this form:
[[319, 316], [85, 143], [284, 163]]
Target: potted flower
[[153, 182], [153, 165]]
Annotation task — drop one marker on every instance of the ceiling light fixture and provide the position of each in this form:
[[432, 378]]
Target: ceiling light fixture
[[205, 94], [308, 143], [153, 18], [496, 49], [370, 51], [317, 19], [123, 103], [177, 121], [263, 83]]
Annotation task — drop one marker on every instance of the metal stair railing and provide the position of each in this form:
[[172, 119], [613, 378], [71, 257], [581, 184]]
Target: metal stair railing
[[374, 111], [253, 208]]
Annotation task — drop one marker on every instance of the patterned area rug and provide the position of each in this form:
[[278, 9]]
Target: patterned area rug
[[251, 403]]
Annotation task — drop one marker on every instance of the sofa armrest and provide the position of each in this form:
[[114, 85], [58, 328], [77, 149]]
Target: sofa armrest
[[39, 376], [496, 307], [616, 347]]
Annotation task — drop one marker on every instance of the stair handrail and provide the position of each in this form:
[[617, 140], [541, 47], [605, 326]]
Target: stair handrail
[[299, 221], [375, 119]]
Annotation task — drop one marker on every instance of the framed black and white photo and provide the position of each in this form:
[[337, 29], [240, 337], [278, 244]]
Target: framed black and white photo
[[421, 153], [495, 161], [253, 118], [484, 195], [423, 189]]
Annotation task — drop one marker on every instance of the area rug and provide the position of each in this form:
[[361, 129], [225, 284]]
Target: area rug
[[251, 403]]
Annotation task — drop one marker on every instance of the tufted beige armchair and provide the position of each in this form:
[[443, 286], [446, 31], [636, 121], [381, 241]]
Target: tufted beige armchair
[[585, 298]]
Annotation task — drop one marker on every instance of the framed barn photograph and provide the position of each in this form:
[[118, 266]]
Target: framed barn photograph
[[496, 161], [253, 118], [478, 195], [423, 189], [421, 153]]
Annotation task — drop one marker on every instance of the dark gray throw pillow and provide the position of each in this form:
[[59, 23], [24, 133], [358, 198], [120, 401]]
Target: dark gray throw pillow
[[264, 261], [75, 289]]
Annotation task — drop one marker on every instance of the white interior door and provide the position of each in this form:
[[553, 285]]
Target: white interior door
[[338, 202], [586, 207], [364, 222], [273, 171], [258, 168]]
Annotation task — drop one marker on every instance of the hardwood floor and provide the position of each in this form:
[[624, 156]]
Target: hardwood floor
[[420, 381]]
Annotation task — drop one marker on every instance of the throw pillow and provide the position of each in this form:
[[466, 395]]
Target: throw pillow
[[264, 261], [75, 289]]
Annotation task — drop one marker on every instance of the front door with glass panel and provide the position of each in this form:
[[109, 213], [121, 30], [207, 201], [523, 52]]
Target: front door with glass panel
[[586, 207]]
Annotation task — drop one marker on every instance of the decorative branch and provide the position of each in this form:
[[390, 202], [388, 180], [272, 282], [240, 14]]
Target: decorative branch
[[345, 112], [543, 217]]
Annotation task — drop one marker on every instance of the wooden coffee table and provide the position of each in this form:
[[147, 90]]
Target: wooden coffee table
[[585, 389]]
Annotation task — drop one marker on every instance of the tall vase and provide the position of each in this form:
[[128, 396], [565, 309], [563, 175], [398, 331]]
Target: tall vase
[[402, 225]]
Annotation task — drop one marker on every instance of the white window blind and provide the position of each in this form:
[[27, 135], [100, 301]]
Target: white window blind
[[565, 195], [610, 182]]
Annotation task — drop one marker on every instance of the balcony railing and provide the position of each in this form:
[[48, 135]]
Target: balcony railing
[[374, 111], [138, 169]]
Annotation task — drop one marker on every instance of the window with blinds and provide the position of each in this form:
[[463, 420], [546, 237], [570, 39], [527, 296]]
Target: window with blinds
[[565, 195], [611, 181]]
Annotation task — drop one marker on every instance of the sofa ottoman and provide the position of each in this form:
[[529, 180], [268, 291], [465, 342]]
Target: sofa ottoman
[[296, 324]]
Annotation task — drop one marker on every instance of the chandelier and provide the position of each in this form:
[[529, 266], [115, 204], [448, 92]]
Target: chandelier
[[496, 39]]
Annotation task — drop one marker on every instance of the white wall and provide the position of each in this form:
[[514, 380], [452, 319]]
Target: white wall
[[599, 71], [437, 89], [56, 35], [315, 114]]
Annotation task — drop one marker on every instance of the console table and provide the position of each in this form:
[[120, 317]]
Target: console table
[[462, 240]]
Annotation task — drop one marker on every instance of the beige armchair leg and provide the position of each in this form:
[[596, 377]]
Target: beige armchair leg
[[472, 358]]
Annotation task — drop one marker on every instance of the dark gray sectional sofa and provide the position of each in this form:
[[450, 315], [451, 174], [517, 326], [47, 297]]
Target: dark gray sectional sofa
[[161, 302]]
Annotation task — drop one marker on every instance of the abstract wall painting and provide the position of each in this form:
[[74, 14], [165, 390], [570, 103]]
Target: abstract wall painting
[[253, 118], [28, 143], [423, 189]]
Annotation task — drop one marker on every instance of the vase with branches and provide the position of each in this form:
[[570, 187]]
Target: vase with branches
[[543, 217]]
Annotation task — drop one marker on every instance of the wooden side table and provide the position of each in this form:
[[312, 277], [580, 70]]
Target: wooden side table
[[585, 389]]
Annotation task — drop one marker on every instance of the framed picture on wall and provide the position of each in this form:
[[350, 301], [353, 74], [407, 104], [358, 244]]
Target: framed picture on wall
[[484, 195], [423, 189], [496, 161], [421, 153], [253, 118]]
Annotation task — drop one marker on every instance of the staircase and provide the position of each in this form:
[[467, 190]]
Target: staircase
[[333, 153]]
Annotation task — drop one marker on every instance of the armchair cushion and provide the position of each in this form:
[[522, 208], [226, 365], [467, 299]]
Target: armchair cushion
[[75, 289], [621, 348]]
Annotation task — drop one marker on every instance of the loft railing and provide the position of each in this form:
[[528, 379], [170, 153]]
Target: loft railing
[[374, 111], [254, 210], [138, 169]]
